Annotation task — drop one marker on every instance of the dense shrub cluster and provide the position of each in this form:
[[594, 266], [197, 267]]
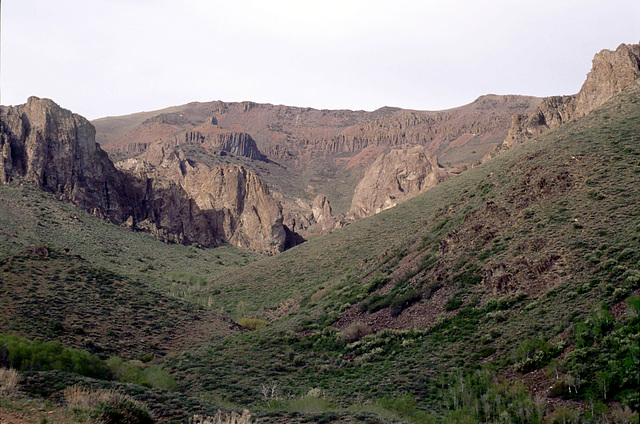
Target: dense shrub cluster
[[27, 355], [606, 362], [534, 353], [477, 398], [151, 376]]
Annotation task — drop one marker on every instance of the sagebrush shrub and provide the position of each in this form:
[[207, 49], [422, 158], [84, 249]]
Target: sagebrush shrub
[[253, 323], [107, 406], [223, 418], [9, 379], [356, 331]]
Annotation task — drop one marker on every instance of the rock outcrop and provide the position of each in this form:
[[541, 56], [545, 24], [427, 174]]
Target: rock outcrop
[[611, 72], [320, 219], [56, 149], [321, 211], [243, 207], [214, 137], [45, 144], [394, 177]]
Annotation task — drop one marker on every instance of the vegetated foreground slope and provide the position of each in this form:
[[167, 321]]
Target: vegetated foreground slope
[[77, 281], [51, 295], [522, 266]]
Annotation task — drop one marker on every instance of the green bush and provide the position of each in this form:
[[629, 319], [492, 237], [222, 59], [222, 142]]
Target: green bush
[[157, 378], [453, 304], [377, 282], [475, 398], [634, 304], [403, 302], [533, 354], [470, 277], [606, 357], [376, 303], [151, 376], [27, 355], [628, 254], [505, 302], [253, 323], [593, 328]]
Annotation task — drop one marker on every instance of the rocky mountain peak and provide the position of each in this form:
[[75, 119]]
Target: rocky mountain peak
[[610, 73], [56, 149]]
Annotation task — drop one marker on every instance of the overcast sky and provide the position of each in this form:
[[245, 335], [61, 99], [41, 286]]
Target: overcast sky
[[115, 57]]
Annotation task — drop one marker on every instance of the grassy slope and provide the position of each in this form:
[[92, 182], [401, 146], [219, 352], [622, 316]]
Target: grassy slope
[[55, 296], [551, 229], [529, 243], [29, 217], [564, 194]]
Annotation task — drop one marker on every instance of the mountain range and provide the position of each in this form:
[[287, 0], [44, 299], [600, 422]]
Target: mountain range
[[479, 264]]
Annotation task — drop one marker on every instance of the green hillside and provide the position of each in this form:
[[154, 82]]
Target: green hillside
[[520, 269], [30, 217], [509, 293], [563, 195], [55, 296]]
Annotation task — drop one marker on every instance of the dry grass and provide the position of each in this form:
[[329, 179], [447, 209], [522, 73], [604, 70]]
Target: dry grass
[[356, 331], [9, 380], [223, 418], [85, 398], [253, 323], [107, 405]]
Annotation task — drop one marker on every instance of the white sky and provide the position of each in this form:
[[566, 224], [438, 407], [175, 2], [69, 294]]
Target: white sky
[[115, 57]]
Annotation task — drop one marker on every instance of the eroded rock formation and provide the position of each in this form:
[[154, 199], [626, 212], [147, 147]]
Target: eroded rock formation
[[56, 150], [45, 144], [316, 218], [395, 177], [236, 143], [611, 72]]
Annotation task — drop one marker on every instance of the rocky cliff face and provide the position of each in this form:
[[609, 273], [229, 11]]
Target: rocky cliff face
[[395, 177], [611, 72], [252, 217], [238, 203], [56, 149], [236, 143], [309, 151], [317, 218]]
